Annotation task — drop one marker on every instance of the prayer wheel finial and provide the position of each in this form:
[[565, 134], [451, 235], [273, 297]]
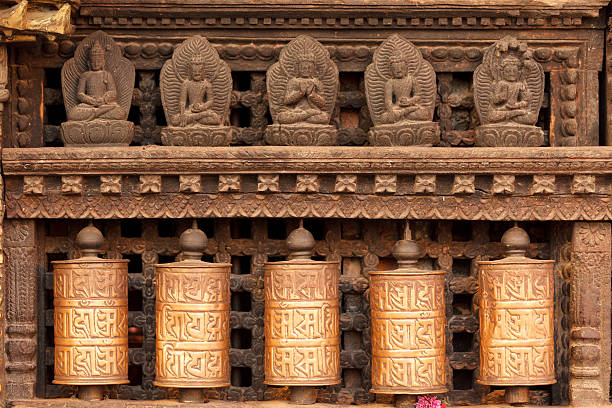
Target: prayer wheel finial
[[193, 242], [300, 243], [516, 319], [90, 318], [90, 240], [395, 359]]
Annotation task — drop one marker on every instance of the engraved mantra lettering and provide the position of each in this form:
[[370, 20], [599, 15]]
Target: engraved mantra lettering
[[408, 333], [91, 322], [192, 326], [302, 323]]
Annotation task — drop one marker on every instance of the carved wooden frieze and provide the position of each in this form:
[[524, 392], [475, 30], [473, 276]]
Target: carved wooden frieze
[[508, 93], [97, 85], [302, 91], [401, 93], [196, 88]]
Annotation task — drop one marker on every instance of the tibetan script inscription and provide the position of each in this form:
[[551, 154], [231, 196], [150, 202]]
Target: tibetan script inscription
[[516, 322], [91, 321], [192, 315], [408, 332], [302, 323]]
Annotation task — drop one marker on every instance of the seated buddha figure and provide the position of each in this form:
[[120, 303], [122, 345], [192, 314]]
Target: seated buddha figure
[[196, 98], [401, 93], [510, 95], [96, 92], [303, 101]]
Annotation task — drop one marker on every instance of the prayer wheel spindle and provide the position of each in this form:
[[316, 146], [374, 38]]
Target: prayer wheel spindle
[[408, 327], [302, 332], [516, 320], [90, 318], [192, 311]]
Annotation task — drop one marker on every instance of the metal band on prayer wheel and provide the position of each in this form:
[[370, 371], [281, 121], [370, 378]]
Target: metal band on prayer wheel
[[302, 336], [192, 312], [408, 326], [516, 318], [90, 316]]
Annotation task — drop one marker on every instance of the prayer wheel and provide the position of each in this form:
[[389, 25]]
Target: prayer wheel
[[90, 318], [192, 311], [516, 320], [408, 326], [302, 334]]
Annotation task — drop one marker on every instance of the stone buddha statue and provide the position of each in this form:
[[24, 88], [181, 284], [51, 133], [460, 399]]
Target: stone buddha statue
[[302, 90], [303, 101], [510, 95], [196, 88], [96, 92], [97, 85], [196, 99], [401, 94]]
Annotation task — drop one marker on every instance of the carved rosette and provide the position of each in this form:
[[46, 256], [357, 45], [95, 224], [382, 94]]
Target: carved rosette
[[508, 94], [408, 327], [91, 321], [301, 321], [192, 310], [516, 318]]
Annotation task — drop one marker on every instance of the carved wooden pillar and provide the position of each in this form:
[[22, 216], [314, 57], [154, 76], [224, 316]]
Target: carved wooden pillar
[[21, 343], [590, 314], [3, 98]]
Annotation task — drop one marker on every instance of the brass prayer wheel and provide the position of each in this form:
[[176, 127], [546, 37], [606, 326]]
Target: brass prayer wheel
[[516, 319], [90, 318], [192, 311], [302, 334], [408, 326]]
